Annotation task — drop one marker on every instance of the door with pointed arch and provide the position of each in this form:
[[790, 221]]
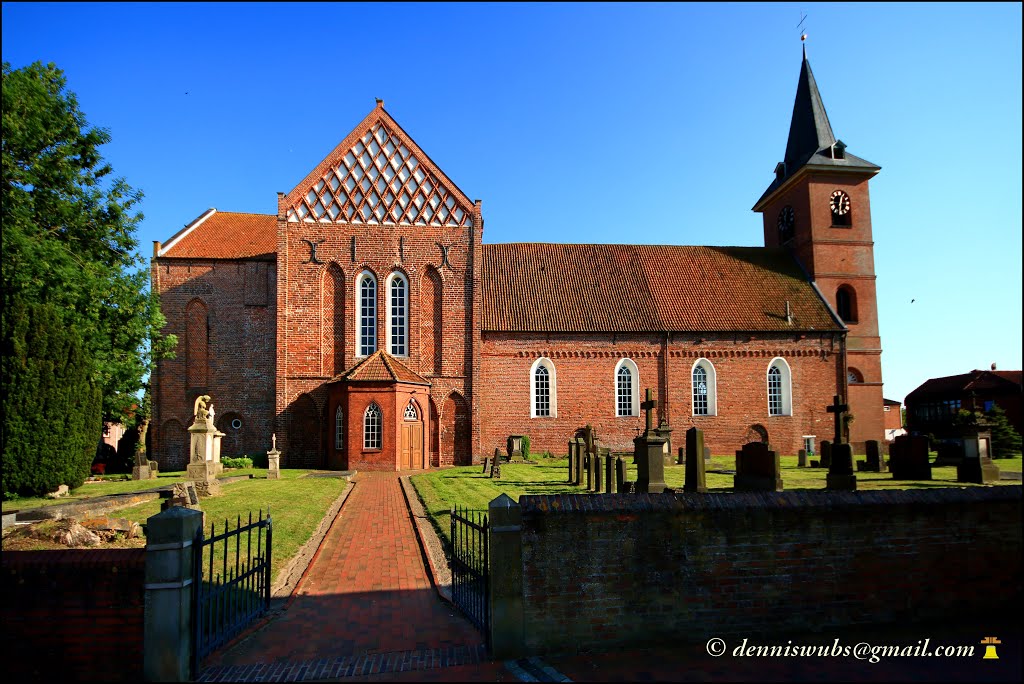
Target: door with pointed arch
[[410, 443]]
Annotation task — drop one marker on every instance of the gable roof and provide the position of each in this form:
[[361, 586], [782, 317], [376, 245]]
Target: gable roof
[[380, 367], [534, 287], [224, 235], [975, 381], [378, 175], [811, 138]]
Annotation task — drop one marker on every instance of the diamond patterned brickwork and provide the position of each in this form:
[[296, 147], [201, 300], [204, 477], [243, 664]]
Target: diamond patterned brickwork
[[380, 181]]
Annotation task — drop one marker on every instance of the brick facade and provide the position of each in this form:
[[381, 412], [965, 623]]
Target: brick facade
[[268, 314]]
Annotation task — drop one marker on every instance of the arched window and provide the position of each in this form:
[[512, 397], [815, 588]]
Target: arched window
[[543, 390], [853, 376], [398, 315], [366, 305], [705, 390], [627, 388], [846, 304], [780, 402], [372, 427], [410, 411], [339, 429]]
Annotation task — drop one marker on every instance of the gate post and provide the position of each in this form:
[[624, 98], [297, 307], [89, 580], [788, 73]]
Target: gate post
[[506, 578], [167, 632]]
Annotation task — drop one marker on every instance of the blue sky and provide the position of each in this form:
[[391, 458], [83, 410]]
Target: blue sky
[[641, 123]]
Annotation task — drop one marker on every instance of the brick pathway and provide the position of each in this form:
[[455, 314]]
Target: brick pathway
[[365, 605]]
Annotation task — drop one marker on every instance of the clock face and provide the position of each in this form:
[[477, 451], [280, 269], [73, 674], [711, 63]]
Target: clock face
[[787, 219], [840, 203]]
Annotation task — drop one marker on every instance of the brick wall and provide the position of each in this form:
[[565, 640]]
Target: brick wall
[[231, 323], [74, 615], [626, 570], [585, 376]]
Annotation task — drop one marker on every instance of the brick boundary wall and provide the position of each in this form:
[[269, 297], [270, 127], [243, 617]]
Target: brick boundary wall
[[637, 570], [74, 615]]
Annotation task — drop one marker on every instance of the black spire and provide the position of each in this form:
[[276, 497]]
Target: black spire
[[809, 130], [811, 141]]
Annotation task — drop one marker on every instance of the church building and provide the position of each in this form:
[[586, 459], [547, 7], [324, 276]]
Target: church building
[[369, 326]]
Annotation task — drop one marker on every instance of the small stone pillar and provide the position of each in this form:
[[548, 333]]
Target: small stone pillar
[[572, 459], [506, 583], [696, 480], [840, 472], [620, 475], [167, 621], [579, 465], [589, 462], [598, 467], [609, 477]]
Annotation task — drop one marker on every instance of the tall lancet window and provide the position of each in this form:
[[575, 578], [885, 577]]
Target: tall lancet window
[[367, 305], [372, 427], [398, 321]]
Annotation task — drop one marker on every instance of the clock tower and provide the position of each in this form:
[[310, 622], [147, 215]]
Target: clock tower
[[817, 207]]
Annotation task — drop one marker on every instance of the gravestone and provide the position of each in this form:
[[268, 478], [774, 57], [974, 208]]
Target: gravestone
[[801, 458], [184, 494], [514, 445], [140, 470], [496, 465], [598, 468], [273, 460], [873, 456], [840, 468], [620, 475], [649, 451], [826, 453], [579, 458], [682, 457], [665, 432], [908, 458], [757, 469], [977, 466], [572, 458], [707, 454], [154, 468], [487, 465], [609, 472], [696, 480], [204, 454]]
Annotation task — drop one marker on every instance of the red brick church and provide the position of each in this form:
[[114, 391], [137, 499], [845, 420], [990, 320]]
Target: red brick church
[[369, 325]]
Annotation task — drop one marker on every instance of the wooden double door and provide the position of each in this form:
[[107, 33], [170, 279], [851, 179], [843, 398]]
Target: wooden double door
[[410, 446]]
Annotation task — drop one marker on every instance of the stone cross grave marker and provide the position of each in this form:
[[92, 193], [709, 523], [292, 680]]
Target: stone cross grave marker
[[648, 406], [649, 454], [838, 410]]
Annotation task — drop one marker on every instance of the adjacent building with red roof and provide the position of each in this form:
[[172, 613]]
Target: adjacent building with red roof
[[368, 325], [932, 407]]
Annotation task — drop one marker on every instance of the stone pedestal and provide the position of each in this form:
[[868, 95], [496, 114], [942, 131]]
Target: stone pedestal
[[141, 472], [977, 467], [204, 456], [840, 473], [757, 469], [273, 464], [649, 452], [695, 477]]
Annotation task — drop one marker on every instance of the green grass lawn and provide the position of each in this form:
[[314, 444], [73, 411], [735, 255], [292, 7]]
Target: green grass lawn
[[469, 488], [297, 504], [113, 484]]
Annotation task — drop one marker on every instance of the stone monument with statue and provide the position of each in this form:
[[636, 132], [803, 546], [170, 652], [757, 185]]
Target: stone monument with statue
[[204, 452]]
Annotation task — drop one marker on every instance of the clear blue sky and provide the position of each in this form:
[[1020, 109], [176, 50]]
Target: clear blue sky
[[656, 123]]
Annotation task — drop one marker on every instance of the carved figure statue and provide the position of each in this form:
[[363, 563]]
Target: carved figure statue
[[210, 412], [200, 409]]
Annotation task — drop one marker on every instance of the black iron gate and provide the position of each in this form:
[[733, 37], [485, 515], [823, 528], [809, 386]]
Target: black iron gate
[[470, 570], [231, 587]]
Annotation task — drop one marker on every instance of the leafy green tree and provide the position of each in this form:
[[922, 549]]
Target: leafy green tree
[[51, 402], [68, 234], [1006, 441]]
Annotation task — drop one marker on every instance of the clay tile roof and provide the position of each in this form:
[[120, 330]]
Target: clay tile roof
[[646, 288], [225, 235], [380, 367]]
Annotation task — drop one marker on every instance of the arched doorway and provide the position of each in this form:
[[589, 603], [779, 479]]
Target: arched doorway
[[410, 441]]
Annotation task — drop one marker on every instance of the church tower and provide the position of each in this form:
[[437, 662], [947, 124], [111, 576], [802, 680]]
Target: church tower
[[817, 207]]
